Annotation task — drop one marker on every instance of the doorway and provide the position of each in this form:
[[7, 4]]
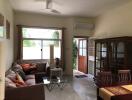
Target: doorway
[[80, 47]]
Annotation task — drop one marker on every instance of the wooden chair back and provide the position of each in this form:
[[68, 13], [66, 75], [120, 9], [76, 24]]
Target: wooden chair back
[[104, 79], [124, 76]]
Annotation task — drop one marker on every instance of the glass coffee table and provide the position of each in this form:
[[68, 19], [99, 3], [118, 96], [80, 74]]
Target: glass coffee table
[[55, 82]]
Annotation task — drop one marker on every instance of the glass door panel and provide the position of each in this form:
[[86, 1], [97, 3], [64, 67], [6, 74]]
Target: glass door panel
[[82, 57], [84, 44]]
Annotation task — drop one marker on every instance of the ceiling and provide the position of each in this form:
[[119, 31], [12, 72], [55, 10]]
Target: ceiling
[[83, 8]]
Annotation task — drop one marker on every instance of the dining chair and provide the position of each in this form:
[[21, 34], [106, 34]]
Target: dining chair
[[104, 79], [124, 76]]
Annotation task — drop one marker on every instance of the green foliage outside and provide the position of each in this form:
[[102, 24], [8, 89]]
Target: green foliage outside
[[74, 54], [24, 30], [29, 43], [56, 36], [1, 31]]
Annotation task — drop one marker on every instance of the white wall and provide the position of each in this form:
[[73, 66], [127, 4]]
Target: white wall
[[116, 22], [6, 45], [2, 68]]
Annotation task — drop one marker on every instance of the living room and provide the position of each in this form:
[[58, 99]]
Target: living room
[[114, 22]]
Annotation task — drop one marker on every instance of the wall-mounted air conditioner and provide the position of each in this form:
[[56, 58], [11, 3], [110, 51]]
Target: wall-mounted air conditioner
[[84, 26]]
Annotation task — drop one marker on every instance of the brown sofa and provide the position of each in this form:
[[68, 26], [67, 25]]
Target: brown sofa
[[34, 92], [22, 86]]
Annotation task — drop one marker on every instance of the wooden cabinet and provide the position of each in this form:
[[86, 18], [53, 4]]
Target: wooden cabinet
[[112, 54]]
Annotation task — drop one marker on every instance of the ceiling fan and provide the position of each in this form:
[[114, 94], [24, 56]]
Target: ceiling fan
[[49, 7]]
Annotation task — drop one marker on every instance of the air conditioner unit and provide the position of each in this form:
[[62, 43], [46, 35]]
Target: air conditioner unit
[[85, 26]]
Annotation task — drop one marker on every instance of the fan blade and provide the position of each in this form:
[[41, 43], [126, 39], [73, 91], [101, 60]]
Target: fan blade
[[56, 2], [48, 4]]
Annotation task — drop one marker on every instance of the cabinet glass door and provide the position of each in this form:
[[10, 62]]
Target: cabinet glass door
[[98, 55], [104, 55], [103, 50], [120, 53], [112, 54]]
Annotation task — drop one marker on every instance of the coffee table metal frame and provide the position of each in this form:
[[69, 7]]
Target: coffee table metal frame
[[51, 83]]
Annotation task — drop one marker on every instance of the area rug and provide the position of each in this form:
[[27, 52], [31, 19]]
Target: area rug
[[80, 76], [67, 93]]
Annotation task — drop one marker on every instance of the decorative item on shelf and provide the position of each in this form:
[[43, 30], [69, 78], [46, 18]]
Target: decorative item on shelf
[[7, 29], [57, 63], [1, 26]]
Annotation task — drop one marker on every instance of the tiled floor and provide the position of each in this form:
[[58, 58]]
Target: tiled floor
[[83, 89]]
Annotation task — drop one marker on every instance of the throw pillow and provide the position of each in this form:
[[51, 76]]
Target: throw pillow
[[9, 83], [22, 74], [26, 66], [19, 79], [16, 67], [11, 75]]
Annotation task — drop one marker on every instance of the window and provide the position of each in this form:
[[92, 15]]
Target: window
[[37, 43]]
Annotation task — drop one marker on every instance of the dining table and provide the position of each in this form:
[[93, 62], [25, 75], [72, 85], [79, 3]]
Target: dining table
[[120, 92]]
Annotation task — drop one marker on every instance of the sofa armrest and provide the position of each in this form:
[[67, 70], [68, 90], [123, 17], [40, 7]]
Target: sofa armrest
[[39, 77], [34, 92]]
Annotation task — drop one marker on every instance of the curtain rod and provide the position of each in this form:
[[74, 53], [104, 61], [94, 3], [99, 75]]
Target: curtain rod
[[28, 26]]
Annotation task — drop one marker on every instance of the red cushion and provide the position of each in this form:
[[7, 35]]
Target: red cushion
[[26, 66], [19, 81]]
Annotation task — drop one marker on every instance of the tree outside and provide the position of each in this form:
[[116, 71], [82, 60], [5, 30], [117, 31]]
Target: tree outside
[[74, 54]]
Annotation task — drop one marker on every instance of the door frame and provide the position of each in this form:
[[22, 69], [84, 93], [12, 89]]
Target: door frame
[[85, 37]]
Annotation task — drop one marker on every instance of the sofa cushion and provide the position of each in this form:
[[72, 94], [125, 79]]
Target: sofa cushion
[[41, 67], [9, 83], [30, 82], [30, 77], [11, 75]]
